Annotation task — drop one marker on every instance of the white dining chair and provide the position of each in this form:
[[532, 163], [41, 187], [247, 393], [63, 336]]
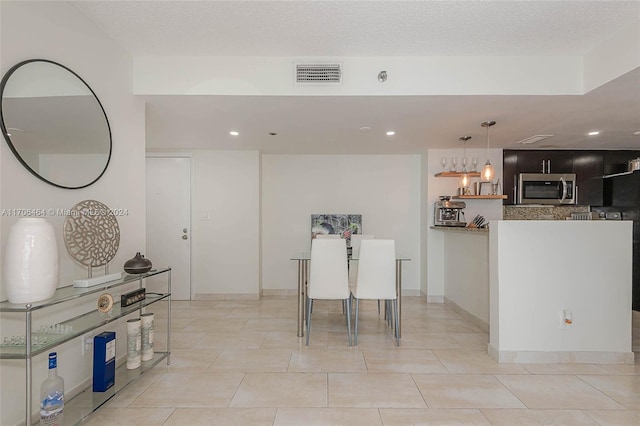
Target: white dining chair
[[328, 277], [376, 278], [356, 239]]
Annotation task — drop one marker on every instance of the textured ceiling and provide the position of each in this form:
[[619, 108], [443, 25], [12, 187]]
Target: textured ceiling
[[331, 124], [359, 28]]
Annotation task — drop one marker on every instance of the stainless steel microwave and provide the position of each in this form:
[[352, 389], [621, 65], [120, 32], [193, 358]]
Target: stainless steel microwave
[[547, 188]]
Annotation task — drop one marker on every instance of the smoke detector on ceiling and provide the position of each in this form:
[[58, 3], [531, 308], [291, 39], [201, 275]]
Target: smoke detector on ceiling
[[318, 73], [534, 139]]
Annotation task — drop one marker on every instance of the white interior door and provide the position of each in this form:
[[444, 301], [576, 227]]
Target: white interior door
[[169, 220]]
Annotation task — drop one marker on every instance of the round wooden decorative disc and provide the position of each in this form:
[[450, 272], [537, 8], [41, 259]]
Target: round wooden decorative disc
[[105, 303], [91, 233]]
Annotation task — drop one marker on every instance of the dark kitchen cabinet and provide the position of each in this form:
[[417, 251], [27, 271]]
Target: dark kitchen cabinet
[[617, 161], [587, 165], [545, 161], [589, 168], [622, 195], [509, 175]]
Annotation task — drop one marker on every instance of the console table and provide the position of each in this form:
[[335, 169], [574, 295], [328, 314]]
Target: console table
[[78, 326]]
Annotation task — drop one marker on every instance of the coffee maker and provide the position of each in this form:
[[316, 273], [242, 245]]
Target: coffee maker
[[449, 213]]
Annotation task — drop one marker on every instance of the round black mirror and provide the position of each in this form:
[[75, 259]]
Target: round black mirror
[[54, 124]]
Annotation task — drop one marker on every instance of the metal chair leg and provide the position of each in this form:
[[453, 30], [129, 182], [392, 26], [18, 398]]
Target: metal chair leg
[[395, 310], [309, 305], [355, 334], [348, 303], [388, 313]]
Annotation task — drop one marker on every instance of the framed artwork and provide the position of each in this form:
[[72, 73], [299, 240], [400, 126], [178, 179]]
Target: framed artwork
[[341, 224]]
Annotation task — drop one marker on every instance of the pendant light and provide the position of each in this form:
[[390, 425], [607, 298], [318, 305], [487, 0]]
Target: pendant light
[[488, 172], [464, 177]]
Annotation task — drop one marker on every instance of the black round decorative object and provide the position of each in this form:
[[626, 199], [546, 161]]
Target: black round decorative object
[[137, 265]]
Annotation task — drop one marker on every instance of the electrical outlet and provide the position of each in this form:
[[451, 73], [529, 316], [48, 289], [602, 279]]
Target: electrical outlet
[[87, 342]]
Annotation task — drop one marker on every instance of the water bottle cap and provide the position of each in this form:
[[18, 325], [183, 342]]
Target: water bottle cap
[[53, 360]]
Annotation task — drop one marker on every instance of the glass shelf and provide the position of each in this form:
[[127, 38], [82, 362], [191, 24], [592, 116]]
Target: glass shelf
[[64, 294], [457, 174], [479, 197], [79, 326], [86, 402], [616, 174]]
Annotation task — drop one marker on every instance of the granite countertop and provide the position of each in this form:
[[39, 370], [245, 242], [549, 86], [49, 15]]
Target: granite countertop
[[534, 212], [461, 229]]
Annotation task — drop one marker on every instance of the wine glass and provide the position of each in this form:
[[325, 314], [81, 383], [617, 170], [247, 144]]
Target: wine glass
[[465, 161], [454, 164], [443, 161], [474, 162]]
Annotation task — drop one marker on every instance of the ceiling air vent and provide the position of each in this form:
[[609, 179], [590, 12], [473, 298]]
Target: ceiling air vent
[[318, 73], [533, 139]]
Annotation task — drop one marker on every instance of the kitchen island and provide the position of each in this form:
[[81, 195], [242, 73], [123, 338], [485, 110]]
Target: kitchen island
[[549, 291]]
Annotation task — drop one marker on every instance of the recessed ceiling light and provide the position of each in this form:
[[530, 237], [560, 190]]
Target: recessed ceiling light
[[594, 133], [637, 133], [234, 133], [365, 128], [272, 133], [391, 133]]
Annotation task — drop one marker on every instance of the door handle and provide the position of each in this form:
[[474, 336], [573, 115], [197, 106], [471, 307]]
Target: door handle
[[564, 190], [184, 237]]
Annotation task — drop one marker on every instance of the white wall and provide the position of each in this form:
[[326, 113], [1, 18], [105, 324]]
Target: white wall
[[467, 271], [57, 31], [490, 209], [386, 190], [613, 57], [225, 247], [424, 222], [448, 75], [539, 269], [68, 169]]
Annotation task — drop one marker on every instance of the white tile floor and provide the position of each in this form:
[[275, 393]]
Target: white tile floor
[[240, 363]]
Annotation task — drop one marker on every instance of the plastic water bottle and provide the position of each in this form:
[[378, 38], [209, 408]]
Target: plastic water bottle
[[52, 395]]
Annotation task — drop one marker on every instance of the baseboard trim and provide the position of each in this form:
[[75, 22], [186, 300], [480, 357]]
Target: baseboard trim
[[286, 292], [279, 292], [560, 357], [467, 315], [227, 296]]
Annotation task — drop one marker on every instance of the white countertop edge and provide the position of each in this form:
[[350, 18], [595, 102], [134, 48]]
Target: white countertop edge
[[461, 229]]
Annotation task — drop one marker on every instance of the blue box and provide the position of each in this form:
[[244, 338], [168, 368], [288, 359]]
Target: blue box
[[104, 361]]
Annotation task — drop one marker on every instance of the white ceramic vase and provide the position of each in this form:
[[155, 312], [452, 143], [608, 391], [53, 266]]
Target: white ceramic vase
[[147, 336], [134, 343], [31, 261]]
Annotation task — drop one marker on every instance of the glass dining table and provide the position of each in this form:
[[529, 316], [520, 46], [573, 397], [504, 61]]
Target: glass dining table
[[304, 258]]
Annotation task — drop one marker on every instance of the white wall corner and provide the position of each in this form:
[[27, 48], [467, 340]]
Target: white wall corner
[[613, 57]]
